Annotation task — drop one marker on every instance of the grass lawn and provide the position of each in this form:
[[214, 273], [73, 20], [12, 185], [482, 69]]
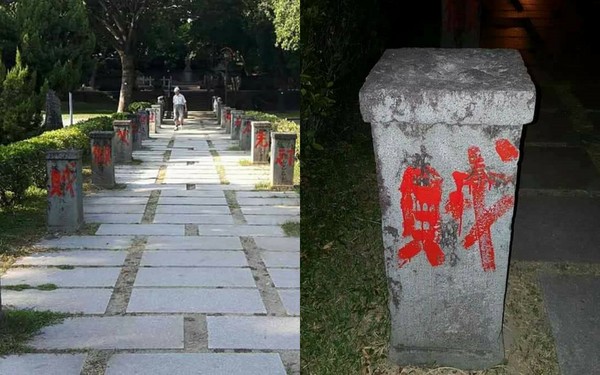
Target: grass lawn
[[18, 326], [83, 111], [345, 318]]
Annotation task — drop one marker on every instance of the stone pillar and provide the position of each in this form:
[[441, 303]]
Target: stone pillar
[[143, 120], [161, 102], [122, 141], [219, 110], [283, 157], [228, 118], [246, 134], [225, 118], [136, 137], [65, 190], [261, 137], [103, 169], [214, 104], [236, 124], [446, 127], [151, 121], [157, 117]]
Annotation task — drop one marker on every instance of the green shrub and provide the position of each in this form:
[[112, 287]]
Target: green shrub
[[278, 124], [23, 163], [121, 116], [138, 106]]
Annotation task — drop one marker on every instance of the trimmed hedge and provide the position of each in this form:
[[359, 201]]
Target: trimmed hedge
[[138, 106], [23, 163]]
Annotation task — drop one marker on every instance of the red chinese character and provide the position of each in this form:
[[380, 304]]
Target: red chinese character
[[478, 180], [228, 116], [421, 194], [62, 181], [261, 140], [101, 154], [282, 154], [238, 122], [122, 134], [247, 127], [151, 116]]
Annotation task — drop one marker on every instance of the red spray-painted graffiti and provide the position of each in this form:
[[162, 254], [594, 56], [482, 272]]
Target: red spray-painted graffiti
[[122, 134], [101, 154], [282, 154], [247, 127], [62, 181], [421, 196], [228, 116], [238, 122], [261, 139]]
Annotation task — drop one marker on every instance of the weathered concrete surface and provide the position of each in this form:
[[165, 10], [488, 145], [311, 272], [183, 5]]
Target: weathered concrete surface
[[122, 141], [151, 121], [451, 86], [103, 168], [446, 127], [157, 117], [260, 144], [283, 158], [236, 124], [65, 190], [572, 303], [246, 134], [42, 364], [144, 121]]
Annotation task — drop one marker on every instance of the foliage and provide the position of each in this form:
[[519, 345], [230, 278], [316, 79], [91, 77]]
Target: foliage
[[56, 40], [18, 326], [23, 163], [287, 23], [138, 106], [278, 124], [19, 104], [121, 116]]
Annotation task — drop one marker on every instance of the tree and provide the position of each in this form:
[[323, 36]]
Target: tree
[[19, 103], [286, 21], [122, 21], [56, 42]]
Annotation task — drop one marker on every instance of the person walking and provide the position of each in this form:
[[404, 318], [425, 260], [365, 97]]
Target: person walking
[[179, 107]]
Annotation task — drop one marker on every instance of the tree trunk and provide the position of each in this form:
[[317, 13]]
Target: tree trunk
[[127, 80], [53, 119]]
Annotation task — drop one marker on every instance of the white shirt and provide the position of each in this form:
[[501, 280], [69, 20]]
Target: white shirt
[[178, 99]]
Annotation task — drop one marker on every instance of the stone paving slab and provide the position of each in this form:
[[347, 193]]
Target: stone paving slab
[[240, 230], [198, 277], [278, 243], [268, 201], [281, 259], [216, 187], [192, 193], [192, 300], [190, 209], [253, 332], [155, 186], [113, 218], [267, 194], [196, 181], [115, 200], [285, 277], [42, 364], [141, 229], [193, 219], [88, 242], [271, 220], [193, 243], [270, 210], [113, 332], [291, 300], [556, 229], [114, 209], [120, 193], [196, 363], [77, 277], [572, 303], [558, 168], [193, 201], [193, 258], [74, 258], [87, 301], [133, 181]]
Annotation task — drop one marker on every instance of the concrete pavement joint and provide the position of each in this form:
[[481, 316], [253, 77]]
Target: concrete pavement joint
[[265, 284], [124, 285], [291, 361], [234, 207], [96, 362], [150, 210], [191, 230], [195, 333]]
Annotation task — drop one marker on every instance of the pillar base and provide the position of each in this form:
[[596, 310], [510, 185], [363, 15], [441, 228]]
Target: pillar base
[[463, 359]]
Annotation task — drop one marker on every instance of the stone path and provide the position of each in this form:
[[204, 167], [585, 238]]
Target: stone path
[[189, 271]]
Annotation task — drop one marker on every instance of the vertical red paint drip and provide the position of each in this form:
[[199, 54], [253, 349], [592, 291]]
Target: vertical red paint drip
[[506, 150]]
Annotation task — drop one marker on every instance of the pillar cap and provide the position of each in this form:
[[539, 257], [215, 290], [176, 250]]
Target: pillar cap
[[101, 134], [121, 122], [468, 86], [261, 123], [283, 135], [155, 106], [70, 154]]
